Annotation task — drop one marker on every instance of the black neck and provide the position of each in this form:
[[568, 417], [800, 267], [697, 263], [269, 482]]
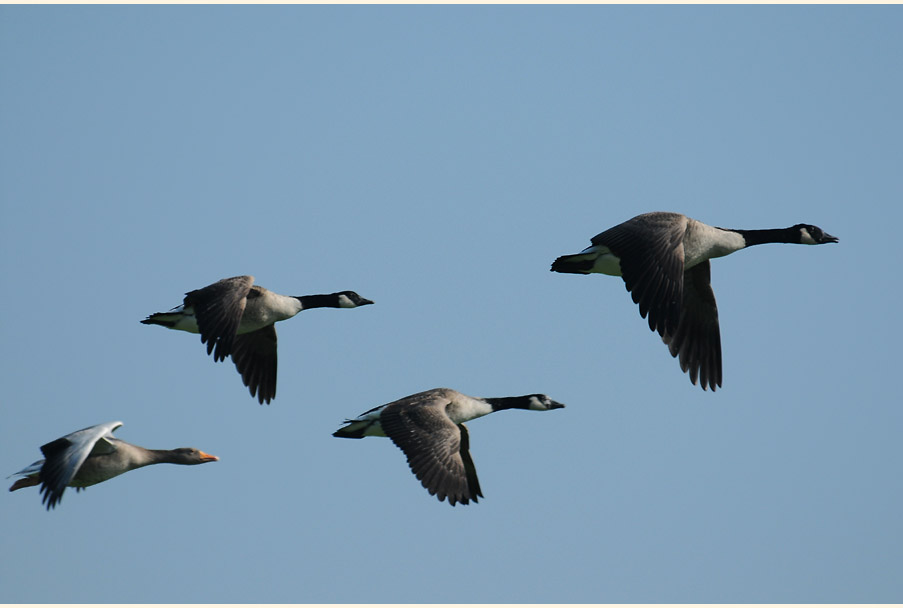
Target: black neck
[[772, 235], [507, 403], [319, 301]]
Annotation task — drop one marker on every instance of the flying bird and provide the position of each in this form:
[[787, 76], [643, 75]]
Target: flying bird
[[664, 260], [236, 318], [91, 456], [429, 429]]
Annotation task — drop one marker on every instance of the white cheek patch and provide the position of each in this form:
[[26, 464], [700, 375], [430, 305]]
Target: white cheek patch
[[345, 302], [537, 404], [806, 238]]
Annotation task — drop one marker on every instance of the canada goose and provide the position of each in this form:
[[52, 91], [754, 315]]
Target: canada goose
[[664, 260], [236, 317], [428, 428], [91, 456]]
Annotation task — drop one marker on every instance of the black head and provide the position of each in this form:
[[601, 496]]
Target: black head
[[813, 235], [542, 403], [536, 402], [349, 299]]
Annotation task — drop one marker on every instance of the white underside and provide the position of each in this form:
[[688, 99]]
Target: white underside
[[705, 243], [370, 420], [183, 318], [604, 261]]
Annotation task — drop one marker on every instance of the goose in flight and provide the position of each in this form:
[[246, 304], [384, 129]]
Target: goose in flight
[[664, 261], [91, 456], [429, 429], [236, 317]]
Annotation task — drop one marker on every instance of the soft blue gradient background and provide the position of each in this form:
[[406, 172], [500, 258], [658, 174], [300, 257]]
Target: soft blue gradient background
[[436, 160]]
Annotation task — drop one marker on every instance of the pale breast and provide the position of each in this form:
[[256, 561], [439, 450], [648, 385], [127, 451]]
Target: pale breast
[[703, 242], [267, 308], [463, 408]]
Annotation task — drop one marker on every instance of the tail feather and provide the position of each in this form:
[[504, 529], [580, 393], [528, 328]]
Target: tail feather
[[580, 263], [25, 482], [354, 430], [161, 318]]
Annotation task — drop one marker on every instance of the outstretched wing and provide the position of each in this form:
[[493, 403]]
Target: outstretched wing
[[697, 339], [254, 355], [218, 309], [63, 458], [652, 266], [437, 450]]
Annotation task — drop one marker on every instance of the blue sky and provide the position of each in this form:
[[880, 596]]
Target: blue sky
[[436, 160]]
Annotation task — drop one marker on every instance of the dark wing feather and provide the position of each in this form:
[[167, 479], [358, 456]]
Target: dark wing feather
[[254, 355], [652, 266], [61, 463], [697, 340], [470, 469], [436, 449], [218, 309]]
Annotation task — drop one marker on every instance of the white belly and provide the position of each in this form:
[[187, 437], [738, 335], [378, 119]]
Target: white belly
[[605, 261], [187, 322], [183, 319]]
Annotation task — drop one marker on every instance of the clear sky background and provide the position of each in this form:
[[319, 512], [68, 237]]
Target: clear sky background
[[436, 160]]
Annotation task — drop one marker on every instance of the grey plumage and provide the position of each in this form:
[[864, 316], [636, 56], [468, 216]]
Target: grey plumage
[[93, 455], [429, 429], [237, 318], [664, 258]]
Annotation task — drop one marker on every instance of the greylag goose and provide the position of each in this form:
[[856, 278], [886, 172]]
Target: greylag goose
[[91, 456]]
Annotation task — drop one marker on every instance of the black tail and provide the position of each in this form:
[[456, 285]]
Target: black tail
[[159, 318], [573, 264], [351, 431]]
